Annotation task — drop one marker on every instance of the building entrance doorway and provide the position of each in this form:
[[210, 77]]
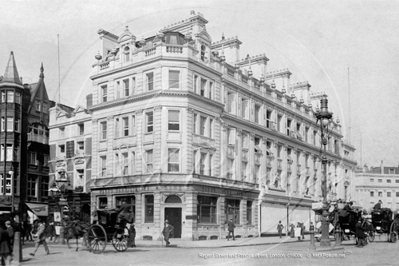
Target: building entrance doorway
[[173, 215]]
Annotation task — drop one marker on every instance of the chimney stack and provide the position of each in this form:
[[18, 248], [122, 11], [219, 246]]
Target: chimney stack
[[382, 167]]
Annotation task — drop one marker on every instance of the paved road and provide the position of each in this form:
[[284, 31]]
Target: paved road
[[377, 253]]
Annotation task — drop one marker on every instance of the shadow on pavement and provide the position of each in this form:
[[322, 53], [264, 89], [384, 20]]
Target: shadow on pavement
[[127, 251]]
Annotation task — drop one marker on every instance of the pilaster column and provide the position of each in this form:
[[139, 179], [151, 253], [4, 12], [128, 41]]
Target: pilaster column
[[239, 156]]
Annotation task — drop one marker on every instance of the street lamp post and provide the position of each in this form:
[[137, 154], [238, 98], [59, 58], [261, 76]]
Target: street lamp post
[[60, 187], [324, 118]]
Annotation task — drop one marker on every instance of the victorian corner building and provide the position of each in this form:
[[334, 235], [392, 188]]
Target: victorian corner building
[[24, 146], [186, 130]]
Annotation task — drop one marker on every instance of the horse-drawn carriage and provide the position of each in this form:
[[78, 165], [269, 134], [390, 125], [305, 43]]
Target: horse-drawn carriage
[[108, 228], [384, 223], [344, 221]]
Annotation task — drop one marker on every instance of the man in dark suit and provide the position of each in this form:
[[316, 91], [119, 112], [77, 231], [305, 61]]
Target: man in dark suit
[[280, 228], [167, 231], [5, 247], [377, 206], [230, 226], [10, 232], [348, 206], [360, 234], [124, 212]]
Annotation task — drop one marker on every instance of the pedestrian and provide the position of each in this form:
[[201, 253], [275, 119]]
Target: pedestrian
[[298, 231], [40, 238], [231, 226], [311, 226], [28, 231], [132, 241], [280, 228], [10, 232], [35, 226], [292, 230], [303, 230], [51, 231], [5, 247], [360, 234], [167, 232]]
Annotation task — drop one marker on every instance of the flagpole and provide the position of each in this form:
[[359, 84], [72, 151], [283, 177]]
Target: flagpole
[[59, 79]]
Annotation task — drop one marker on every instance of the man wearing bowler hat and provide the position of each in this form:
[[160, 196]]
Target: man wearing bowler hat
[[167, 231], [231, 226]]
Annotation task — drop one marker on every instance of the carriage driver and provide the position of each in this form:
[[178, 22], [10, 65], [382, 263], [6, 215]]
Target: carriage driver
[[377, 206], [349, 207], [124, 212]]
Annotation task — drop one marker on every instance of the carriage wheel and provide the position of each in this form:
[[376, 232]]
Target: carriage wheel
[[392, 233], [120, 239], [97, 238]]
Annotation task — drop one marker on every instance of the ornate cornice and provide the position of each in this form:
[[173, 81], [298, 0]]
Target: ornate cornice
[[156, 94]]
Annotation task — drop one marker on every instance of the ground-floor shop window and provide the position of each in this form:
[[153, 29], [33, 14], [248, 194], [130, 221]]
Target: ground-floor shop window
[[206, 209], [249, 212], [149, 209], [232, 209], [102, 203]]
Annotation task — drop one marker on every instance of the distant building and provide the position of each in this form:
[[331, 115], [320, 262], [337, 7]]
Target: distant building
[[70, 157], [377, 183], [24, 143]]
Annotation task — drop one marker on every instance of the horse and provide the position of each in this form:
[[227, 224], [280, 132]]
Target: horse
[[76, 229]]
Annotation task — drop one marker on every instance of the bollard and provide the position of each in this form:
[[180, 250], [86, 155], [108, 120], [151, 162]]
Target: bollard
[[338, 237], [17, 248], [312, 240]]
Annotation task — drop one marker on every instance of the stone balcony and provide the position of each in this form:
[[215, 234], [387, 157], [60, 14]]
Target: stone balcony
[[161, 51]]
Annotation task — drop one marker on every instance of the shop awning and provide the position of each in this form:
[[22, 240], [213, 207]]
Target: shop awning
[[38, 209]]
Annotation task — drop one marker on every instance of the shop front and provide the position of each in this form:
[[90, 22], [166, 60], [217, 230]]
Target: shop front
[[195, 211]]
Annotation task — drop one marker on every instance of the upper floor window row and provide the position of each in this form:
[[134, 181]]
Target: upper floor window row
[[128, 86], [10, 97], [10, 124]]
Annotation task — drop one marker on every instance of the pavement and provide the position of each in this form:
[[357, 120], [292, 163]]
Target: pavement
[[215, 243], [288, 242]]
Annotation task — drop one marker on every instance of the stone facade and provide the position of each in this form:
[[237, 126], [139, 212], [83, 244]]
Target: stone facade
[[184, 131]]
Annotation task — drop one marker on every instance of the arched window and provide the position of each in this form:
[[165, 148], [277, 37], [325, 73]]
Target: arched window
[[203, 48], [173, 199], [126, 51]]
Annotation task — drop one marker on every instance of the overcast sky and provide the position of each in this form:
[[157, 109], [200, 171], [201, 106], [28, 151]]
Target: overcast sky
[[316, 40]]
